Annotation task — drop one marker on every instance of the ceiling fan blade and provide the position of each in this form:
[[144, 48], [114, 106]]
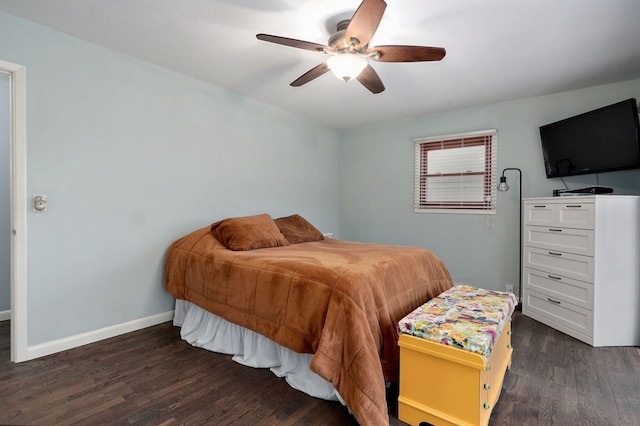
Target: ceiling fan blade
[[371, 80], [407, 53], [310, 75], [292, 42], [365, 22]]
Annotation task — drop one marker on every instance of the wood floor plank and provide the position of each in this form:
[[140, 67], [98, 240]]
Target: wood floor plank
[[152, 377]]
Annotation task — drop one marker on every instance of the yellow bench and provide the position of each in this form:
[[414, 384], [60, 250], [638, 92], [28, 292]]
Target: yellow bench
[[454, 352]]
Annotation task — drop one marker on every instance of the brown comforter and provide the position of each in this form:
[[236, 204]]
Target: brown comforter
[[336, 299]]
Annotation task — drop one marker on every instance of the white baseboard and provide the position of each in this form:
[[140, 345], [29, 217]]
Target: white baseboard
[[82, 339], [5, 315]]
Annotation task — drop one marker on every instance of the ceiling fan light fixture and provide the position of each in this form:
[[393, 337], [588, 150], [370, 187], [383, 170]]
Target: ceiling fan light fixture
[[349, 49], [347, 66]]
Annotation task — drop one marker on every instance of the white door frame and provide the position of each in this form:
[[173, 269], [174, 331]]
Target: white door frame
[[18, 189]]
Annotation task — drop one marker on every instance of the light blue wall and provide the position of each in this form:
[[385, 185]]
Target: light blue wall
[[5, 212], [376, 177], [133, 156]]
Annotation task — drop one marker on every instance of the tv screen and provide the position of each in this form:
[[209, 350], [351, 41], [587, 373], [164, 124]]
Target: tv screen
[[603, 140]]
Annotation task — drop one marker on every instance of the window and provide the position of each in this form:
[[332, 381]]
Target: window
[[456, 173]]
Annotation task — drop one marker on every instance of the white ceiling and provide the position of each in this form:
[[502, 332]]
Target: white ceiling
[[497, 50]]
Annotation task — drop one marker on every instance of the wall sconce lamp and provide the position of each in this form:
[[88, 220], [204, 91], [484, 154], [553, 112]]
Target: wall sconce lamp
[[503, 187]]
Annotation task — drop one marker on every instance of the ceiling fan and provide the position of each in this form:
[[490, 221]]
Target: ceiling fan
[[350, 51]]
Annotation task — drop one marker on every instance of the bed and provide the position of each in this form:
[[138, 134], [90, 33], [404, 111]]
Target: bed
[[337, 302]]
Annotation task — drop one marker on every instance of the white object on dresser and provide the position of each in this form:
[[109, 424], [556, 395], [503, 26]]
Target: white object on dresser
[[581, 258]]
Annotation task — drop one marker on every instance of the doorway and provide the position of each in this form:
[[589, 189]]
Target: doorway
[[5, 201], [17, 161]]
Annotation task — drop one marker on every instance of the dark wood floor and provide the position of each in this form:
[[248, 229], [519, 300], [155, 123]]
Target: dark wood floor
[[151, 377]]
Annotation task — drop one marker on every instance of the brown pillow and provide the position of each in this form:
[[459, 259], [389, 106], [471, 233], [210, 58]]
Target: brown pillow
[[248, 233], [296, 229]]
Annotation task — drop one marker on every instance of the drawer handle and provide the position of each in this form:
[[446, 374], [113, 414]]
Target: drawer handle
[[554, 278], [539, 207], [509, 346], [577, 206], [487, 386], [555, 254], [555, 230], [486, 406], [557, 302]]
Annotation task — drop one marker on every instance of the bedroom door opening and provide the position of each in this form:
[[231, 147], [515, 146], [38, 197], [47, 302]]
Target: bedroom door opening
[[17, 162], [5, 203]]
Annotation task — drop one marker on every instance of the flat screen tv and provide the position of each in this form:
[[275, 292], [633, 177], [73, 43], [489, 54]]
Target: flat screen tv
[[603, 140]]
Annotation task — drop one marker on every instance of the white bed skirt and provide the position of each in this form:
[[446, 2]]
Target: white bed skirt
[[203, 329]]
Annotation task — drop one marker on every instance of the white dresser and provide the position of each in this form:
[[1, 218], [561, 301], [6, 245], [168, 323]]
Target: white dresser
[[581, 266]]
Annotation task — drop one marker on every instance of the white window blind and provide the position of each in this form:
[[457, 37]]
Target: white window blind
[[456, 172]]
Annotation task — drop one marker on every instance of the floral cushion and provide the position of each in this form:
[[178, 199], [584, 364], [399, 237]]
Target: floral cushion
[[465, 317]]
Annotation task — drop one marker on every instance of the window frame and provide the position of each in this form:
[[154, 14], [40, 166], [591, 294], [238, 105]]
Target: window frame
[[487, 138]]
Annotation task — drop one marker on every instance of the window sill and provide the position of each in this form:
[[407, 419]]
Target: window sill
[[455, 211]]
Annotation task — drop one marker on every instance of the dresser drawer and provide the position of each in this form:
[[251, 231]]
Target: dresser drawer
[[559, 263], [573, 214], [577, 241], [576, 215], [542, 214], [560, 288], [566, 314]]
